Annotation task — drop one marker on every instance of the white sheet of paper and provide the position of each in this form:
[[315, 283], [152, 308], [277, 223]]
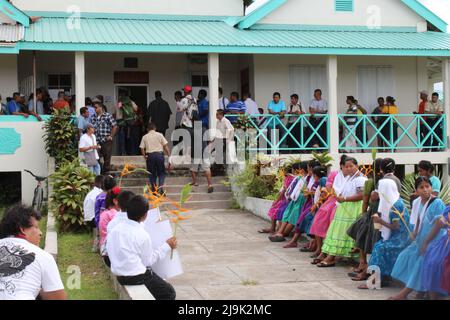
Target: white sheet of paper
[[159, 232], [153, 216]]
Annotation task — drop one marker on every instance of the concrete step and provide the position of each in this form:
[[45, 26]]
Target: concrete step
[[142, 180], [203, 204], [171, 188], [195, 196]]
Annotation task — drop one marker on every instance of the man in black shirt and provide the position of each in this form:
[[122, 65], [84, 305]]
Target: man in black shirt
[[159, 113]]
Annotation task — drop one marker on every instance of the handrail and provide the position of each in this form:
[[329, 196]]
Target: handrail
[[385, 132]]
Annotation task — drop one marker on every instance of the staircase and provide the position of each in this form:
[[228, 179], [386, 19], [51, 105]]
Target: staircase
[[179, 176]]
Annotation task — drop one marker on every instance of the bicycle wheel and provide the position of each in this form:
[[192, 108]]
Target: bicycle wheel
[[38, 197]]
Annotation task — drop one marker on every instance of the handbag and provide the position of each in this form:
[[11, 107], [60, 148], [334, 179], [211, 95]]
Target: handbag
[[89, 157]]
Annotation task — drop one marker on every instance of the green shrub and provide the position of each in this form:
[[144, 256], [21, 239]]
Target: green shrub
[[61, 137], [71, 182]]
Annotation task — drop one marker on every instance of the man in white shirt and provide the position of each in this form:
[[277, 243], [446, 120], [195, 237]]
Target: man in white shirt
[[26, 271], [131, 253], [318, 106], [251, 106], [224, 142], [223, 101], [434, 107]]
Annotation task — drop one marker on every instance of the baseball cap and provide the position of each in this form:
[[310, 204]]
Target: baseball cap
[[425, 92], [187, 89], [96, 100]]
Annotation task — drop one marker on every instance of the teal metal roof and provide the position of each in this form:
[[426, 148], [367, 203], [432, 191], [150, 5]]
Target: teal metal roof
[[147, 35], [13, 13], [258, 14]]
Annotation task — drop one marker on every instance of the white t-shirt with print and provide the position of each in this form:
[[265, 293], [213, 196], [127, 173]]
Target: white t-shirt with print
[[25, 270]]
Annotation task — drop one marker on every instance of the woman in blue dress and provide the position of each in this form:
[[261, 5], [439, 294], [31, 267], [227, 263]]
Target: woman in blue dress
[[425, 211], [386, 251], [436, 249]]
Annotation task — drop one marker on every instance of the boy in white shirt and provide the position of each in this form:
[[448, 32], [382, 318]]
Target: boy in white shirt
[[131, 253], [26, 271], [89, 207]]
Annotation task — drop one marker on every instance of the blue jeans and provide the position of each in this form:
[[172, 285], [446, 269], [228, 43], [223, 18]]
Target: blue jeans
[[155, 165], [95, 169]]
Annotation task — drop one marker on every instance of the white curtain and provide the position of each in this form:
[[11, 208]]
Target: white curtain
[[304, 79], [374, 82]]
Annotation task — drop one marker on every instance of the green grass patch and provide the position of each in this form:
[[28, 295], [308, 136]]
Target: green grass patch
[[43, 227], [74, 249]]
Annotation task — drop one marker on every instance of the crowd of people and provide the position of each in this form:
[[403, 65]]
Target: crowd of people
[[353, 213], [115, 216]]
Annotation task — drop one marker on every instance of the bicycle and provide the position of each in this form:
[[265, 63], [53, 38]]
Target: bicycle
[[38, 191]]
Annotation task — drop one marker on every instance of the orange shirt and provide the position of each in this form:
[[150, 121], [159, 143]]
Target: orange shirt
[[422, 105]]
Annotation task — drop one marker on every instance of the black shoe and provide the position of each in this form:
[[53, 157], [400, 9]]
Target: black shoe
[[210, 189]]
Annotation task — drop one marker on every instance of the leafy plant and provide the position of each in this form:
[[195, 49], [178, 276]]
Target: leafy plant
[[323, 158], [71, 183], [60, 137]]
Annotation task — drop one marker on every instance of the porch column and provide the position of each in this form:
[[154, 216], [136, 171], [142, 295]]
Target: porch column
[[79, 81], [333, 122], [213, 78], [446, 84]]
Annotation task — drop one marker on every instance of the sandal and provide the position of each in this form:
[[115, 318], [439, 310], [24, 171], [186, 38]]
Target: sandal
[[277, 239], [306, 249], [265, 231], [195, 184], [210, 189], [316, 261], [360, 277], [363, 287], [324, 264], [290, 245]]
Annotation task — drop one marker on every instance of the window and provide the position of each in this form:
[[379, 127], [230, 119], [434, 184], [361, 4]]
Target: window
[[199, 80], [343, 5], [60, 82], [374, 82], [304, 79]]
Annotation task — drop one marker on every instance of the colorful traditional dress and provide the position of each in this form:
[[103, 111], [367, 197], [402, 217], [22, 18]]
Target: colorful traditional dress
[[310, 216], [408, 267], [278, 203], [325, 214], [433, 261], [287, 195], [445, 283], [337, 242], [385, 252], [306, 209], [293, 210]]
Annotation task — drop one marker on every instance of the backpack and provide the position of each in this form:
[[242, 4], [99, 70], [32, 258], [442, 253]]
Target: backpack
[[192, 110]]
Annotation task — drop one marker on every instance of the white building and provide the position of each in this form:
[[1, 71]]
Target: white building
[[364, 48]]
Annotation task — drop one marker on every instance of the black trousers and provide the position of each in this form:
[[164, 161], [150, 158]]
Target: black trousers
[[159, 288]]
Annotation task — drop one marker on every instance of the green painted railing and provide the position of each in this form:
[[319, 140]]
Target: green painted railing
[[392, 132], [266, 132]]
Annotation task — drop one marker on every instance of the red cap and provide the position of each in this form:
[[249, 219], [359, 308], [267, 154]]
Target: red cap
[[187, 89]]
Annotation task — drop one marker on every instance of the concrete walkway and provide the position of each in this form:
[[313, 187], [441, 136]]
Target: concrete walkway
[[224, 257]]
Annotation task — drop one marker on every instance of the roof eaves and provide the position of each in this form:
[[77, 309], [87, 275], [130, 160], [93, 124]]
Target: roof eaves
[[258, 14], [14, 13], [427, 14]]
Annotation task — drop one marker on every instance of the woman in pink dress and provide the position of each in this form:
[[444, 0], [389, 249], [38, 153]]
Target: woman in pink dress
[[289, 175]]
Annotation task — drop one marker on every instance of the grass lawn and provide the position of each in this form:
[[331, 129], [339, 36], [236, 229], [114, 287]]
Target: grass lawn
[[75, 250]]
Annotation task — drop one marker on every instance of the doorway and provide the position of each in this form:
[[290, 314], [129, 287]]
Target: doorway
[[139, 94]]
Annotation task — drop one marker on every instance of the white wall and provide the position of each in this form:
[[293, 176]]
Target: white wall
[[321, 12], [8, 72], [180, 7], [31, 155]]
